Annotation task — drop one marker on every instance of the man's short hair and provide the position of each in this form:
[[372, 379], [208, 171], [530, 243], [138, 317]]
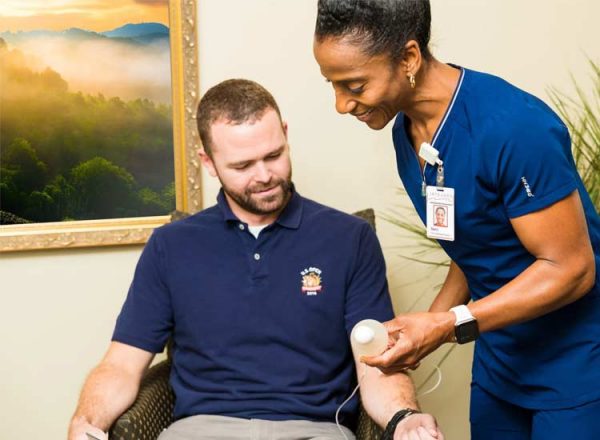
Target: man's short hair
[[377, 26], [235, 101]]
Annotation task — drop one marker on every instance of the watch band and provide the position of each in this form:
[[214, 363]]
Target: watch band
[[463, 314], [388, 433]]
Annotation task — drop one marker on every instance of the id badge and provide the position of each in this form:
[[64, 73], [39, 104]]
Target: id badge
[[440, 213]]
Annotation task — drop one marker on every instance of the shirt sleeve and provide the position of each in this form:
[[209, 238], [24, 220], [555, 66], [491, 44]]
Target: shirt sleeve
[[535, 167], [146, 318], [367, 294]]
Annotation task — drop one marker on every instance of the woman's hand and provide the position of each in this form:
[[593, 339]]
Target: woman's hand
[[412, 337]]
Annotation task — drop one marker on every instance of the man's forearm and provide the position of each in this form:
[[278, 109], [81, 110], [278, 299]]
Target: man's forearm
[[106, 394], [383, 395], [110, 389]]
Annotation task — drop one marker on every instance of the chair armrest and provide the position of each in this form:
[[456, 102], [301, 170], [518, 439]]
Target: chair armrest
[[152, 410], [367, 429]]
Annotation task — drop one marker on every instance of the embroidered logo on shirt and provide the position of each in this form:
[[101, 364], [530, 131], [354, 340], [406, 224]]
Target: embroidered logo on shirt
[[311, 281], [526, 186]]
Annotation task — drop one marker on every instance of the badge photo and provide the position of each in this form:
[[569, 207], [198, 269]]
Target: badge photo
[[440, 213]]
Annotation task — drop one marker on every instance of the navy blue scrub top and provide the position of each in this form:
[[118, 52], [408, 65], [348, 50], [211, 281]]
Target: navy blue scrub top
[[507, 154]]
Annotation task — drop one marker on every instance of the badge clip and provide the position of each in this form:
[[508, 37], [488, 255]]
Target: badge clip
[[429, 154]]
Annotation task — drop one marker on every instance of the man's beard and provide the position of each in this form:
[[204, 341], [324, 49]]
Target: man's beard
[[263, 205]]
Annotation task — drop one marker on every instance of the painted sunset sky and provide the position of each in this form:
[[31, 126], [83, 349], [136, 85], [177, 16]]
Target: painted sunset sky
[[93, 63], [91, 15]]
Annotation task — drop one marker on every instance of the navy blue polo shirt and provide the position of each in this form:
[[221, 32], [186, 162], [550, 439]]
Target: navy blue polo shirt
[[260, 326], [507, 154]]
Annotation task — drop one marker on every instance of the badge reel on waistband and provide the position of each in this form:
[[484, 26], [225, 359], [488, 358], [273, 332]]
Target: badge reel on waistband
[[439, 199]]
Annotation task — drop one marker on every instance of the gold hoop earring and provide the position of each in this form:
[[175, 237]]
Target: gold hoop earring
[[411, 79]]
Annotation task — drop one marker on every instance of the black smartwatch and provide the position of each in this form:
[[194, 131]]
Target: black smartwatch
[[465, 327], [388, 434]]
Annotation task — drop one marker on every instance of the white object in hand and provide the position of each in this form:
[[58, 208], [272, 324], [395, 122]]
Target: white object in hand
[[368, 338]]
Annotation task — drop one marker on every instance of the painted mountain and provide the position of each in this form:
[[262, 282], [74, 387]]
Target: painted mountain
[[142, 32]]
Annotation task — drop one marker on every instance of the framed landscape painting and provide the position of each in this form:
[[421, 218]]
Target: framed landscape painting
[[97, 128]]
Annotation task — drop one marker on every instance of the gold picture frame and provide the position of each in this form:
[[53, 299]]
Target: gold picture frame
[[131, 231]]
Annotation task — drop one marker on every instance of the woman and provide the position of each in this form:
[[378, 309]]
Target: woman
[[522, 233]]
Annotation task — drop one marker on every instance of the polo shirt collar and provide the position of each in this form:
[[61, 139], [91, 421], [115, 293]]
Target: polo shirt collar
[[292, 214], [228, 214], [290, 217]]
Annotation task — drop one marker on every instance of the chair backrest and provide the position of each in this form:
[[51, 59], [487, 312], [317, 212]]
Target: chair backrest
[[368, 215]]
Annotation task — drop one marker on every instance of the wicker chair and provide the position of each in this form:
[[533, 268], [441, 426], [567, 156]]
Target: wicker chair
[[152, 410]]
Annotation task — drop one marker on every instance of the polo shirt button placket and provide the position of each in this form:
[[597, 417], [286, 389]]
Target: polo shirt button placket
[[258, 270]]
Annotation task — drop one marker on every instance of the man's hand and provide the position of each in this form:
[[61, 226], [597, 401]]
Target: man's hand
[[418, 427], [80, 428], [412, 337]]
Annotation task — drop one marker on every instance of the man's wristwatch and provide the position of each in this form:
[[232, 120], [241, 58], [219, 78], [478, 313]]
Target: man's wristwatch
[[388, 434], [465, 327]]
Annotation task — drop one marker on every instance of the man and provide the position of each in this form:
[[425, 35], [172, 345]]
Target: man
[[259, 294]]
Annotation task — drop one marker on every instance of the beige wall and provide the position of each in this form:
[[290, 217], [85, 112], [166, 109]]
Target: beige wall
[[58, 308]]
